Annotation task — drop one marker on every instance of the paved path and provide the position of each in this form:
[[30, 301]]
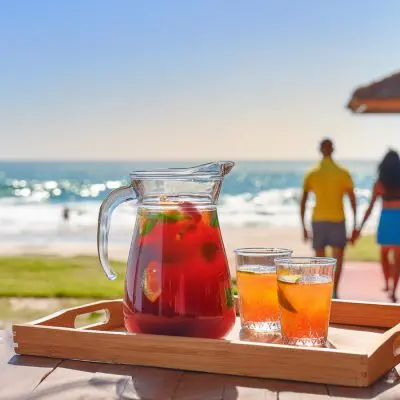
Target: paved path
[[362, 281]]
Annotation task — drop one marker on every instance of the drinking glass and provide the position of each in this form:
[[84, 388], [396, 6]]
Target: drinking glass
[[257, 286], [304, 295]]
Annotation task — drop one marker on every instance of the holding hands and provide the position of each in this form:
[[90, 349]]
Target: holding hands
[[355, 235]]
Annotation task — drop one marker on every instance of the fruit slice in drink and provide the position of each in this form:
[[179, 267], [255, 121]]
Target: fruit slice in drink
[[152, 281]]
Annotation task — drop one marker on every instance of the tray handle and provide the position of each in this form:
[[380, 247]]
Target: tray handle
[[66, 318], [385, 354]]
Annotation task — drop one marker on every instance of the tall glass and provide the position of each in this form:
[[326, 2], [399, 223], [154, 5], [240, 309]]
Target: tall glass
[[304, 294], [257, 285]]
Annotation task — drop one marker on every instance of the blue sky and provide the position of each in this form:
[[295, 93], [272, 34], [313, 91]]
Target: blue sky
[[182, 80]]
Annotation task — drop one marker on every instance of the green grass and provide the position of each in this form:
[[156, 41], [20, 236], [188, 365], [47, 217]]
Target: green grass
[[365, 249], [47, 276], [82, 277]]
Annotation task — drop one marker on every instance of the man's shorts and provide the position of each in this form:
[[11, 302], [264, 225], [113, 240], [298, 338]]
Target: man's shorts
[[327, 233]]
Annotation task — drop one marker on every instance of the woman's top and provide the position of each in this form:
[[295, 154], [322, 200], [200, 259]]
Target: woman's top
[[390, 197]]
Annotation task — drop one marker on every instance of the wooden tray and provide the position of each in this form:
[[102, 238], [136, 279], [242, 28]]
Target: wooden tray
[[362, 347]]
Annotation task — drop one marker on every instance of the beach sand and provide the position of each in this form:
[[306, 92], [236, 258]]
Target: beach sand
[[233, 237]]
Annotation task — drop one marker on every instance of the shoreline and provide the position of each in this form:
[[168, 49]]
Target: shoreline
[[233, 237]]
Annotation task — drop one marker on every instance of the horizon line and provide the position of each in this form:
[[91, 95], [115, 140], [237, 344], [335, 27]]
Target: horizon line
[[201, 160]]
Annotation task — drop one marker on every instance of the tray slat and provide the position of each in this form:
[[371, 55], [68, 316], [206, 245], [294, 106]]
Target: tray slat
[[380, 315]]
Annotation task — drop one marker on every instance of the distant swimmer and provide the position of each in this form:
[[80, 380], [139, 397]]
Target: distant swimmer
[[65, 214]]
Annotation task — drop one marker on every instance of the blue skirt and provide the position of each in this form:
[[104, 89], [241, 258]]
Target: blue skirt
[[389, 227]]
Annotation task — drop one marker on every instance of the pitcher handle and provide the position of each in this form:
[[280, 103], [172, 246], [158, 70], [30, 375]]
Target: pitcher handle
[[110, 203]]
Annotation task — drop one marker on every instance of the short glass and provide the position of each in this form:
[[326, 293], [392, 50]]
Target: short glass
[[304, 294], [257, 286]]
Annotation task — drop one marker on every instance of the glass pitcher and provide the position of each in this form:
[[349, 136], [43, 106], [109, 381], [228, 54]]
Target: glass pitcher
[[177, 279]]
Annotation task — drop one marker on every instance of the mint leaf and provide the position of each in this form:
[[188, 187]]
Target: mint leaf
[[171, 216], [214, 220], [229, 297], [148, 226], [151, 220]]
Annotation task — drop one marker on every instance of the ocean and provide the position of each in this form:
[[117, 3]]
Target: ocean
[[255, 193]]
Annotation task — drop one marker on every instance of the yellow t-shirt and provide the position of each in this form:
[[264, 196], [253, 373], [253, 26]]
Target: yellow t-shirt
[[329, 182]]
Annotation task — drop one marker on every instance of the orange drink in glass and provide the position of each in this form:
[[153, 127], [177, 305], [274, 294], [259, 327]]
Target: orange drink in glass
[[304, 295], [257, 286]]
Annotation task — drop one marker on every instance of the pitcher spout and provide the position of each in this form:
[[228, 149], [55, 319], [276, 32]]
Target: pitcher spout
[[217, 168], [209, 170]]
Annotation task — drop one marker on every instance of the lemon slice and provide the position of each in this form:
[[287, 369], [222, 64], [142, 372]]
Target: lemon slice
[[284, 302], [290, 278], [151, 282]]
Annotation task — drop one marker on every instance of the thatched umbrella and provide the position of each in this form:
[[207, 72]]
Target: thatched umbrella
[[382, 96]]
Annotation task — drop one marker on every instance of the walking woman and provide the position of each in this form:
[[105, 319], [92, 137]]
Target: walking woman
[[387, 187]]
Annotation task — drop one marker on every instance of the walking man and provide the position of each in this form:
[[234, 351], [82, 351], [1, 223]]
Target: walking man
[[330, 183]]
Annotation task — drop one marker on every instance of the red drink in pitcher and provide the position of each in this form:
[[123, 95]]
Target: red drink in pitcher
[[177, 281]]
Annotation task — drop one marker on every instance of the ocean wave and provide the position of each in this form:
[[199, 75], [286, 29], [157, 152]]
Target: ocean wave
[[55, 191], [33, 196], [279, 208]]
